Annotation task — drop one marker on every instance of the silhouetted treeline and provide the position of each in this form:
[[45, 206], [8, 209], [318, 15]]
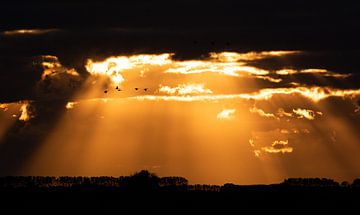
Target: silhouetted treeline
[[146, 181]]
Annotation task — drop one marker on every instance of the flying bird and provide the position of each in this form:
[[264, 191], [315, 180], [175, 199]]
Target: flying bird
[[105, 91], [145, 89], [136, 88]]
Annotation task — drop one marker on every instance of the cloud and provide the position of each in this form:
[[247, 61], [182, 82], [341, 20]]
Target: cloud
[[305, 113], [320, 72], [71, 105], [282, 113], [4, 106], [275, 140], [262, 113], [226, 63], [257, 152], [27, 111], [185, 89], [23, 32], [272, 149], [52, 67], [56, 82], [279, 143], [113, 67], [314, 93], [23, 110], [226, 114], [250, 56], [235, 69], [278, 146], [268, 78]]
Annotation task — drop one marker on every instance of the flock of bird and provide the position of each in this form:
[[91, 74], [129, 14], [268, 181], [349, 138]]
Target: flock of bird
[[118, 89]]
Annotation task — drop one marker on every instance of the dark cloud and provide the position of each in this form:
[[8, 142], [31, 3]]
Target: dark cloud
[[76, 31]]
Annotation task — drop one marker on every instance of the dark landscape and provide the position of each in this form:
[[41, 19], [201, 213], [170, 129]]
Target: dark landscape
[[144, 191]]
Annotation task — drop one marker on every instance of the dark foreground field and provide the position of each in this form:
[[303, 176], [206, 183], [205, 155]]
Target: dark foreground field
[[152, 195], [277, 200]]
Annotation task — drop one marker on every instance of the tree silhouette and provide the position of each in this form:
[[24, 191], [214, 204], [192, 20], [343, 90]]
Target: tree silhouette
[[143, 180]]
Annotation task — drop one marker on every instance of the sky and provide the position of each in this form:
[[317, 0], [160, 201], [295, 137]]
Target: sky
[[245, 92]]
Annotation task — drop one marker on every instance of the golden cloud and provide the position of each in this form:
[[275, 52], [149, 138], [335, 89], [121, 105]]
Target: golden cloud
[[26, 112], [272, 149], [262, 113], [4, 106], [313, 93], [52, 67], [226, 114], [304, 113], [113, 67], [185, 89], [322, 72], [71, 105]]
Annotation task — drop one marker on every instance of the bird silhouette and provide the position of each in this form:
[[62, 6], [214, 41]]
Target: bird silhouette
[[136, 88], [145, 89], [105, 91]]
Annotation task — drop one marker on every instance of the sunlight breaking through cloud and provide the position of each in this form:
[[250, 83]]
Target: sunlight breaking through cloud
[[226, 114], [185, 89], [313, 93], [113, 67], [272, 149], [53, 67], [262, 113], [71, 105], [26, 113], [304, 113]]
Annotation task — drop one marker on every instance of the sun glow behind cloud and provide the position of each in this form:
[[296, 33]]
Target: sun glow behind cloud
[[218, 112]]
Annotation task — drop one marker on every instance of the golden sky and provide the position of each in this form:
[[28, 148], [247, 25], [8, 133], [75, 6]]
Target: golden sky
[[212, 120]]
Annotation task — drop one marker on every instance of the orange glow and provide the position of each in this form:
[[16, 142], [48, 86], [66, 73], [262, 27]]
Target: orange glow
[[211, 120]]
